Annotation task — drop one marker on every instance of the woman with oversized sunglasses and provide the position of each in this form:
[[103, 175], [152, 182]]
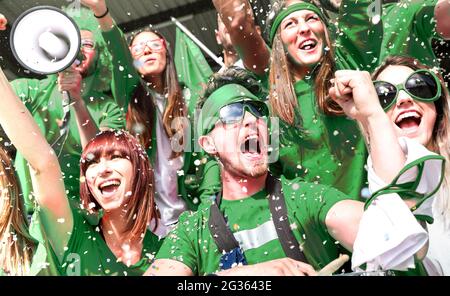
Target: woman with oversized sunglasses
[[145, 83], [404, 111]]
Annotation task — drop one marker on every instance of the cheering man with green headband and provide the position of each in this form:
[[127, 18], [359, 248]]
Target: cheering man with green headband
[[257, 225]]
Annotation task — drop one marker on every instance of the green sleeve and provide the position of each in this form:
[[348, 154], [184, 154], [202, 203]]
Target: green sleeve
[[424, 21], [125, 77], [330, 197], [358, 43], [313, 200], [210, 181], [80, 230], [111, 116], [179, 243], [22, 87]]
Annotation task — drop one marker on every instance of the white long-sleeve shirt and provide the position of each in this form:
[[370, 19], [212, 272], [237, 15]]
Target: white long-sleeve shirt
[[438, 259]]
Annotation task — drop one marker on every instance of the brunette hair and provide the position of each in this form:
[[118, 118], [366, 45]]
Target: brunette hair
[[141, 109], [440, 141], [141, 207], [282, 97]]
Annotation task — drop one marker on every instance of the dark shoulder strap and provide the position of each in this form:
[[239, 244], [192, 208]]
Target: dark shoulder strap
[[220, 232], [278, 209], [58, 144], [225, 239]]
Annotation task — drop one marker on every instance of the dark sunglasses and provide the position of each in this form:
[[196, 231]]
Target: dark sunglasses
[[234, 112], [421, 85]]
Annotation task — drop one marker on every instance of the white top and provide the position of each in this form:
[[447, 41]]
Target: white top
[[439, 248], [169, 203], [437, 260], [239, 63]]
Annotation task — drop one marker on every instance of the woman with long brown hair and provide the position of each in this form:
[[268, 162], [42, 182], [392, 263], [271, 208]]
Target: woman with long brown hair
[[145, 83], [404, 115], [316, 141]]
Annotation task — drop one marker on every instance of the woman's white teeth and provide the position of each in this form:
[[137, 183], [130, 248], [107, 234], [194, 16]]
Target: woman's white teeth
[[307, 45], [110, 183], [405, 115]]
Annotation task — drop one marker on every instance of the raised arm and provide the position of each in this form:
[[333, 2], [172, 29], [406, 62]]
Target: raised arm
[[70, 80], [238, 18], [49, 190], [442, 16], [99, 8], [354, 92], [125, 75]]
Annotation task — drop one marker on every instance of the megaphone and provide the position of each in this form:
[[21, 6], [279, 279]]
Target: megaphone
[[45, 40]]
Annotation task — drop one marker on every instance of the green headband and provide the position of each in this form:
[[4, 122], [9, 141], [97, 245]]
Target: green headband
[[290, 9], [222, 96]]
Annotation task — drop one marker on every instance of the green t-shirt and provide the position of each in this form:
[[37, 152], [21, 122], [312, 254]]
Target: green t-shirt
[[87, 254], [331, 149], [44, 101], [250, 221], [409, 27]]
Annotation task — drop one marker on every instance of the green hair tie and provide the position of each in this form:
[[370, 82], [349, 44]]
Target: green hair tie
[[225, 95], [290, 9]]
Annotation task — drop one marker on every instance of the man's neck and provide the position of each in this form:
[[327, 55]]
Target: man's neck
[[239, 187]]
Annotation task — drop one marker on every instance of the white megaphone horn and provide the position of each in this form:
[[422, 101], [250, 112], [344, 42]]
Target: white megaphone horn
[[45, 40]]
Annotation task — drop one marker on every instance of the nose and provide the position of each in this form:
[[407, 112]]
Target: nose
[[249, 119], [403, 99], [147, 49], [104, 168], [303, 27]]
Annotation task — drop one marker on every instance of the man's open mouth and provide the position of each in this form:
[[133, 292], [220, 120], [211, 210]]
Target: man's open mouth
[[251, 145]]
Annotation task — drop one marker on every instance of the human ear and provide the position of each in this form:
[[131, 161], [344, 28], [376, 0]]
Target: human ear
[[207, 143]]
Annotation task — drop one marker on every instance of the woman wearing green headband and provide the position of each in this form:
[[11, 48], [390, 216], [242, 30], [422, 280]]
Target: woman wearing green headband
[[317, 142]]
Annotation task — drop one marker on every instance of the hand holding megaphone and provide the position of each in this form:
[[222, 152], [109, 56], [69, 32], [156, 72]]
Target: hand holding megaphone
[[3, 22], [70, 80]]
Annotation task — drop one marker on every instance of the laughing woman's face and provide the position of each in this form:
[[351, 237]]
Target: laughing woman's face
[[411, 118], [303, 36]]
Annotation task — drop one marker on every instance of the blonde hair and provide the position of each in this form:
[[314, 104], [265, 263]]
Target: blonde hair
[[16, 244], [440, 141]]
